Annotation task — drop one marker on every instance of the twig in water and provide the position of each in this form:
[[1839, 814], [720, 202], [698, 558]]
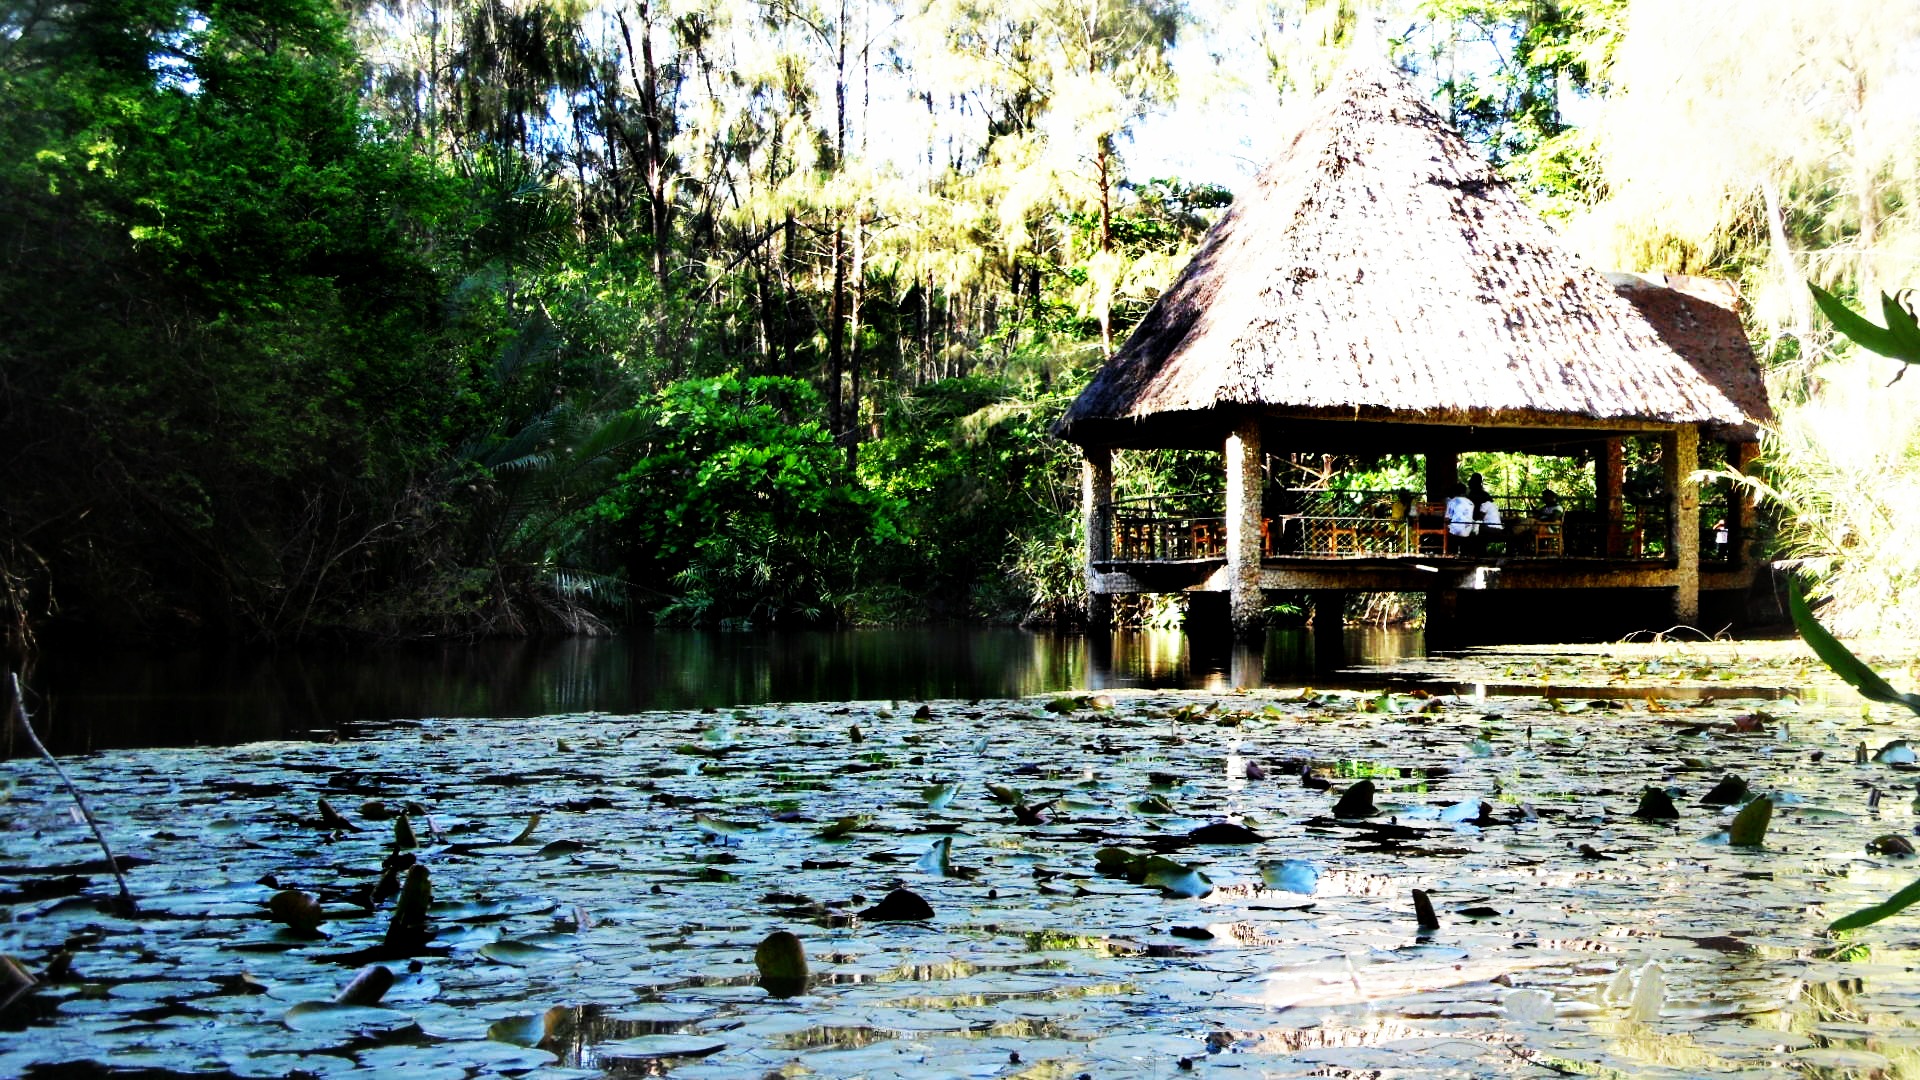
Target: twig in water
[[125, 900]]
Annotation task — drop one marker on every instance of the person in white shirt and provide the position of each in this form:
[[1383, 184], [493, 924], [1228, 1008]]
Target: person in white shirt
[[1460, 514], [1491, 530]]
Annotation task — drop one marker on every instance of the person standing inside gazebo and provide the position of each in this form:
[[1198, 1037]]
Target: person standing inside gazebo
[[1460, 512]]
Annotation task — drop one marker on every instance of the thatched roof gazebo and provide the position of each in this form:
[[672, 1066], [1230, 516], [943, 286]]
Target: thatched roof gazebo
[[1379, 289]]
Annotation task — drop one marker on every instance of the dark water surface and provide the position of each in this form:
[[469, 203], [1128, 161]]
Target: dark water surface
[[84, 700]]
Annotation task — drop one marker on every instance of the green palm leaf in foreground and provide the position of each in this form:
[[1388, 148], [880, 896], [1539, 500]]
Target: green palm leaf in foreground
[[1873, 688]]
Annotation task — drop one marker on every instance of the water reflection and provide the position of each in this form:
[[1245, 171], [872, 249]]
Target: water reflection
[[86, 700]]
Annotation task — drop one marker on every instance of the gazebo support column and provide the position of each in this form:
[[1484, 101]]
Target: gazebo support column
[[1243, 526], [1096, 510], [1680, 458], [1443, 471], [1740, 506], [1609, 496]]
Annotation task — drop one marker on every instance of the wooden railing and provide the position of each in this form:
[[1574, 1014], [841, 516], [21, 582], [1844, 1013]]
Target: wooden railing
[[1349, 524]]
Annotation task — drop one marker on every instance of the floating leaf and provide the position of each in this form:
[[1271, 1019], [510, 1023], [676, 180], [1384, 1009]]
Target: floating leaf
[[1006, 795], [347, 1020], [1897, 752], [520, 953], [900, 905], [531, 1030], [1356, 801], [1892, 844], [367, 986], [1175, 880], [840, 827], [1225, 832], [334, 820], [1749, 826], [714, 826], [557, 848], [300, 912], [1729, 791], [1649, 994], [1423, 912], [782, 962], [939, 796], [407, 930], [403, 838], [939, 858], [1656, 805], [1152, 804], [1291, 875], [525, 835], [636, 1053]]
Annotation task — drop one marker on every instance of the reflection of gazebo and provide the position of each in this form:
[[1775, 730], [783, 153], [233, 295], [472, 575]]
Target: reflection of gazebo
[[1380, 290]]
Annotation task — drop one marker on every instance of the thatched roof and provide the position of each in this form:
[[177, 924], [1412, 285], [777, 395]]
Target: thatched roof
[[1379, 268]]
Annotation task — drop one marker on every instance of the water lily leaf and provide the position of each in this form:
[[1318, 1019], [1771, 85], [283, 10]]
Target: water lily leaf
[[525, 835], [407, 930], [641, 1050], [1225, 832], [1656, 805], [403, 838], [900, 905], [714, 826], [939, 858], [1891, 844], [1176, 880], [334, 820], [1291, 875], [300, 912], [1729, 791], [1356, 801], [346, 1020], [1006, 795], [1152, 804], [530, 1030], [781, 960], [520, 953], [1749, 826], [367, 986], [1897, 752], [1423, 912], [939, 796], [556, 848], [840, 827]]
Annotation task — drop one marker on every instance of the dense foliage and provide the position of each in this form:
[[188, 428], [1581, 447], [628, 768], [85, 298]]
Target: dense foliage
[[393, 318]]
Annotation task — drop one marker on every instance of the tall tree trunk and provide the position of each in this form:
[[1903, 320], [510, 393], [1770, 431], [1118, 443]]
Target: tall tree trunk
[[646, 77]]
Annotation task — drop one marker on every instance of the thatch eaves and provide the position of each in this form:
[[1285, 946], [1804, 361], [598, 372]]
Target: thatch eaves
[[1379, 267]]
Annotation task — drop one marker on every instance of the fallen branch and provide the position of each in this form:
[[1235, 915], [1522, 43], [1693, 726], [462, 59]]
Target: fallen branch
[[125, 900]]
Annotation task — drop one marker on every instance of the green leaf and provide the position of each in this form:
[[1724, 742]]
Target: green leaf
[[1749, 826], [1838, 657], [852, 823], [1887, 341], [1892, 905]]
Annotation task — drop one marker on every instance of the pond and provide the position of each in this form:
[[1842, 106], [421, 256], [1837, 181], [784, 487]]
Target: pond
[[92, 700], [1150, 883]]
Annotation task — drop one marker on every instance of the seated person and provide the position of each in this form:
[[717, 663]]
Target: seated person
[[1550, 508], [1460, 514], [1492, 530]]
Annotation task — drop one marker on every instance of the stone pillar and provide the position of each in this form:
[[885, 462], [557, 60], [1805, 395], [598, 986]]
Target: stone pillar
[[1443, 471], [1244, 484], [1096, 520], [1741, 506], [1680, 458], [1609, 496]]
